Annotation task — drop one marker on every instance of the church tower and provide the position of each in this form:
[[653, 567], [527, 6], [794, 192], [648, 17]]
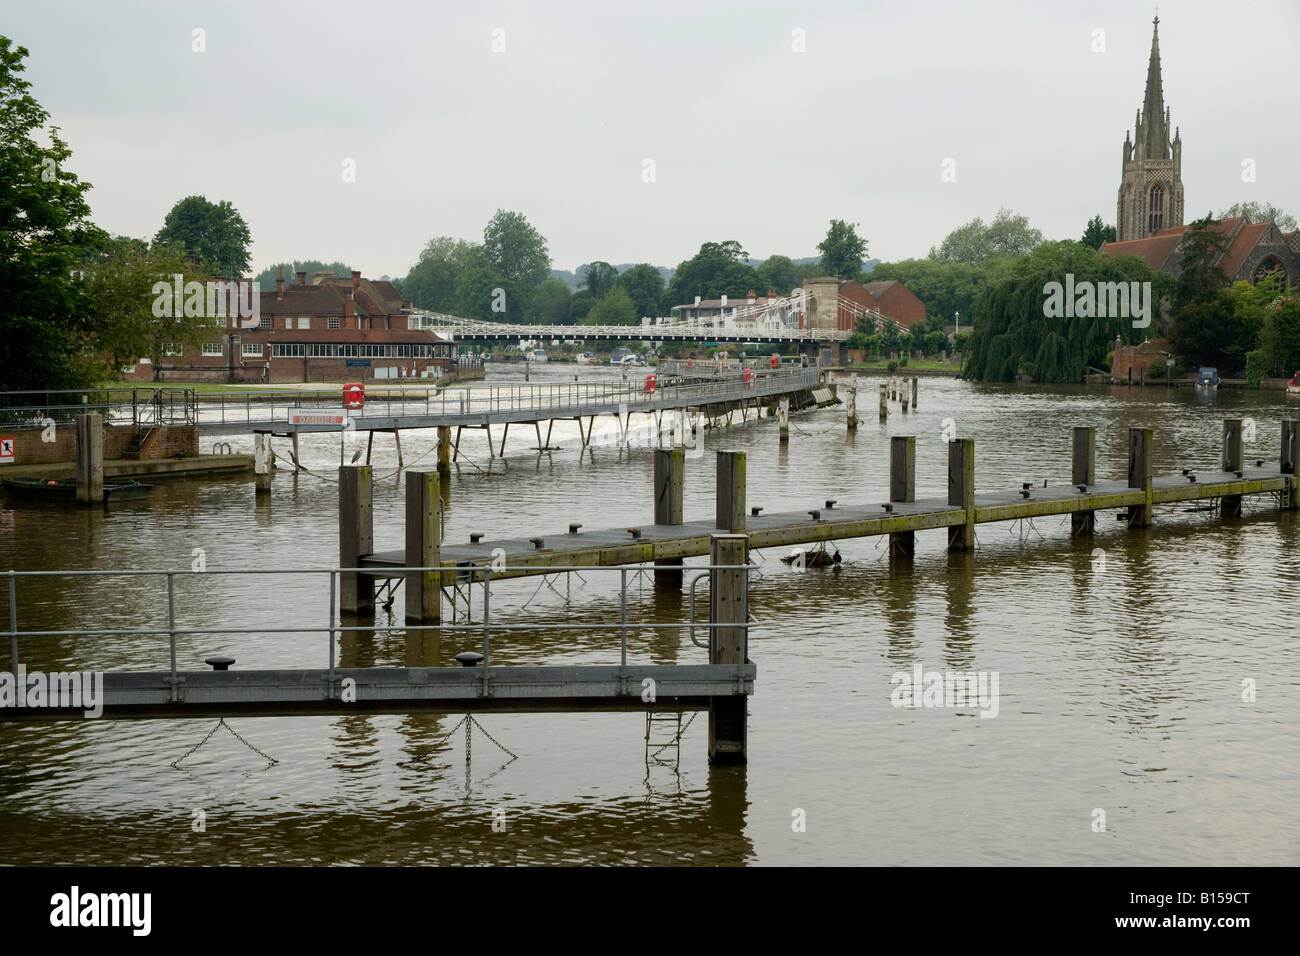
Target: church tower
[[1151, 187]]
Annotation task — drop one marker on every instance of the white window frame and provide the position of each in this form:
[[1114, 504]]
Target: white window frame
[[304, 322], [172, 349], [334, 322], [211, 349], [253, 350]]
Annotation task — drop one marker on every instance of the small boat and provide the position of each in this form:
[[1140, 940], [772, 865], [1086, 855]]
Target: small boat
[[1293, 384], [622, 356], [536, 355], [1207, 377], [65, 489], [586, 358]]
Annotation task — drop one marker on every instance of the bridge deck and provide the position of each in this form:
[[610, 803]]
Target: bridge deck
[[273, 693], [617, 546]]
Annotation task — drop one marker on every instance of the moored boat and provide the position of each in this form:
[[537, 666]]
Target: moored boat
[[1293, 384], [65, 489]]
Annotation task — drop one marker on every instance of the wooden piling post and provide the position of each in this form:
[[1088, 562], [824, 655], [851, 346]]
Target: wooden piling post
[[1230, 505], [90, 459], [853, 404], [1289, 460], [961, 492], [1083, 471], [1139, 475], [730, 506], [444, 449], [356, 537], [902, 488], [262, 460], [728, 605], [423, 548], [670, 475], [884, 401], [914, 378], [783, 419]]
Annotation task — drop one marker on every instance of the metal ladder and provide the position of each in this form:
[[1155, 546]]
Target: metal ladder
[[663, 722]]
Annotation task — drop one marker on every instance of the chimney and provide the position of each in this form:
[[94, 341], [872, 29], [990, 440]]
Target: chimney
[[302, 278], [749, 297], [356, 280], [771, 293], [279, 283], [349, 313]]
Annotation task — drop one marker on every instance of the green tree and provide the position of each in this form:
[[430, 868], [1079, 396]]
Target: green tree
[[431, 282], [215, 234], [615, 309], [1097, 233], [581, 304], [480, 290], [518, 253], [266, 278], [645, 284], [842, 250], [1259, 212], [1200, 276], [599, 278], [1008, 234], [934, 342], [553, 300], [119, 275], [779, 273], [47, 319], [1015, 333], [946, 288], [717, 269]]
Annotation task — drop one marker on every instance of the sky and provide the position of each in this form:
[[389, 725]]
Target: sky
[[635, 132]]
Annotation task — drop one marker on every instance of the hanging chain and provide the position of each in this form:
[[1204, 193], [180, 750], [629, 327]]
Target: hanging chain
[[491, 738], [221, 722]]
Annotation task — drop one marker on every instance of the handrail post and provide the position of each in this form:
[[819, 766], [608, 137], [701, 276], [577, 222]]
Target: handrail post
[[487, 631], [333, 594], [171, 627], [13, 622], [622, 618]]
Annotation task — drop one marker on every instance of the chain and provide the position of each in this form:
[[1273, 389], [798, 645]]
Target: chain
[[425, 754], [676, 741], [221, 722], [490, 737]]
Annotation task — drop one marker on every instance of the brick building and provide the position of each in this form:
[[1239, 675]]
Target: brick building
[[884, 300], [331, 329]]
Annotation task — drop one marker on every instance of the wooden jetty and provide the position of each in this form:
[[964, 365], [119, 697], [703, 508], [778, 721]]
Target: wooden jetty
[[668, 539]]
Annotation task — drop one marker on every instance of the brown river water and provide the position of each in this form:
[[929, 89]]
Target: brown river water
[[1121, 663]]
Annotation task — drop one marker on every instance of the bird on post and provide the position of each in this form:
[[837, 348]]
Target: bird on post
[[356, 455]]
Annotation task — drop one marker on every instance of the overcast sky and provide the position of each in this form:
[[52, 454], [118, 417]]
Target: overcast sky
[[749, 139]]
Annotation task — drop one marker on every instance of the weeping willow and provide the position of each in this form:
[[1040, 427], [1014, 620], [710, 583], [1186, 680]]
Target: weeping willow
[[1014, 339]]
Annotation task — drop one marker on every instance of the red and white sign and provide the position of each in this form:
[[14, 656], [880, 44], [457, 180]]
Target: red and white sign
[[317, 418], [6, 451]]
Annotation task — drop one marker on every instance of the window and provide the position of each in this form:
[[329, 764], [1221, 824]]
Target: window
[[304, 322], [253, 349], [334, 322], [1269, 268], [266, 322], [288, 323], [213, 348], [171, 348], [1156, 209], [286, 350]]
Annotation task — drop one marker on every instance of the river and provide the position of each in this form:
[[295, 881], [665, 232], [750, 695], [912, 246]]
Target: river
[[1125, 664]]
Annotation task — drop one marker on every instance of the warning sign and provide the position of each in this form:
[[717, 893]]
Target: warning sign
[[6, 451], [315, 418]]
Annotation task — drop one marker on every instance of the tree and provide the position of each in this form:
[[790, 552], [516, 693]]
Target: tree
[[519, 255], [1259, 212], [1097, 233], [645, 284], [266, 278], [553, 299], [934, 342], [599, 278], [581, 304], [779, 273], [1200, 276], [842, 250], [215, 234], [1008, 234], [615, 309], [431, 282], [482, 293], [1015, 333], [946, 288], [46, 316], [1279, 336], [717, 269], [119, 276]]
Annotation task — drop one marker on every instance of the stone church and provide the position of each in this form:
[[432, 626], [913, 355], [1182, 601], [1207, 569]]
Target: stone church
[[1149, 213]]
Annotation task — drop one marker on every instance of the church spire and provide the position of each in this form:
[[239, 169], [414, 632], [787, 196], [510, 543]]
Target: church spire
[[1153, 141]]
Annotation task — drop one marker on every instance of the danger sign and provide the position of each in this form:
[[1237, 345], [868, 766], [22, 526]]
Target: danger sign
[[6, 451]]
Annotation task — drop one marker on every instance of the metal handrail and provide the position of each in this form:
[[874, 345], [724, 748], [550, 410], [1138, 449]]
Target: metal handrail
[[334, 628]]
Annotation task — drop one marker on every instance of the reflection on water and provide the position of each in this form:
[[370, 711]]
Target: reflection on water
[[1122, 660]]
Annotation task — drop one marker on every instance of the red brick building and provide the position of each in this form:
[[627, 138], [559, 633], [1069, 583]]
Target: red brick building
[[332, 329], [884, 300]]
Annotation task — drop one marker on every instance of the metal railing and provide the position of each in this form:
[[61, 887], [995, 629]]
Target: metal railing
[[559, 400], [149, 406], [334, 627]]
